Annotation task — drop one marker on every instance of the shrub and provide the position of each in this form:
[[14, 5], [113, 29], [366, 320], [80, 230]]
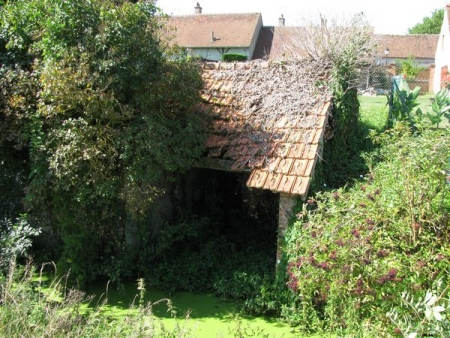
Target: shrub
[[14, 240], [359, 248], [230, 57]]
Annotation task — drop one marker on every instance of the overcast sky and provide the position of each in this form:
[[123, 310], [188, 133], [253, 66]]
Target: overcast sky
[[386, 16]]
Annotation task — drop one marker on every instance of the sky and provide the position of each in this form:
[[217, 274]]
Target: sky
[[386, 16]]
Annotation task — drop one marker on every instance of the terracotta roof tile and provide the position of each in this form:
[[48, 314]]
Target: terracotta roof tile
[[300, 186], [309, 168], [297, 150], [240, 163], [276, 43], [273, 181], [270, 122], [230, 30], [256, 162], [285, 166], [421, 46], [298, 167], [310, 152], [258, 178], [286, 183]]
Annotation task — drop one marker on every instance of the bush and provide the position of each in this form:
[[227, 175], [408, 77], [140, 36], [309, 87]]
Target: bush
[[357, 249], [234, 57], [14, 240]]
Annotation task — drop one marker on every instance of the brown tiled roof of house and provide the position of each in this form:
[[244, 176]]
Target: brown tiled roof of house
[[230, 30], [268, 118], [420, 46], [264, 44], [276, 43], [287, 43]]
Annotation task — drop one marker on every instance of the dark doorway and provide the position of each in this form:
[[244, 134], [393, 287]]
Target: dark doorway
[[246, 216]]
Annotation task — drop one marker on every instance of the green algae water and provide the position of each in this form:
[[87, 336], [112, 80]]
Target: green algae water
[[203, 315]]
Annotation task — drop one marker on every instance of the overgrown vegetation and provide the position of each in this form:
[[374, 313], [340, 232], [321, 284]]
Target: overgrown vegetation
[[355, 251], [92, 119], [30, 309], [348, 45], [97, 110]]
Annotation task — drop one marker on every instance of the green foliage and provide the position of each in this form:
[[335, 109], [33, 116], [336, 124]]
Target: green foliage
[[341, 153], [423, 316], [189, 255], [429, 25], [409, 68], [102, 110], [440, 108], [230, 57], [15, 240], [357, 247], [402, 101], [30, 309]]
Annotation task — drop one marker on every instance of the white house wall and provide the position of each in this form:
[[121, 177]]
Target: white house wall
[[442, 57]]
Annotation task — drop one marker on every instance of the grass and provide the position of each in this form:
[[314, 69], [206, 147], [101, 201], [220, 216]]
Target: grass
[[374, 109]]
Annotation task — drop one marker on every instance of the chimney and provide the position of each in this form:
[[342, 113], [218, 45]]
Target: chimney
[[198, 9], [213, 38], [281, 21]]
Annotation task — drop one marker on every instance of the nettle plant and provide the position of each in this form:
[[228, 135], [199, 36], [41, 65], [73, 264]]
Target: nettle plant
[[354, 252]]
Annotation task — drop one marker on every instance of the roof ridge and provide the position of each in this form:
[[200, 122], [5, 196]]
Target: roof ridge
[[213, 14]]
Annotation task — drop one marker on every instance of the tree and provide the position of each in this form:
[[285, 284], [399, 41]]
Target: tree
[[429, 25], [102, 107], [348, 45]]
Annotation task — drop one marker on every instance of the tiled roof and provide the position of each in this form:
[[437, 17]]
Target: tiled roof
[[264, 43], [286, 43], [267, 118], [421, 46], [276, 43], [230, 30]]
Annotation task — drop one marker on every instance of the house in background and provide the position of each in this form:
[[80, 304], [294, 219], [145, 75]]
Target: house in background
[[421, 47], [442, 56], [212, 35]]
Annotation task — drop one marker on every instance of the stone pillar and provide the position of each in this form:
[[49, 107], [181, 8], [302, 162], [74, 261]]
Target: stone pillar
[[285, 207]]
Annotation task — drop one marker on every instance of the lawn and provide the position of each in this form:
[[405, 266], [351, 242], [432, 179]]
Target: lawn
[[374, 109]]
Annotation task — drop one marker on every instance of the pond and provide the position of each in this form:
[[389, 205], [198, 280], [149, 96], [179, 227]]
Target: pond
[[204, 315]]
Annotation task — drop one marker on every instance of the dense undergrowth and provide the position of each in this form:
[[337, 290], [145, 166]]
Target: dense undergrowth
[[354, 251]]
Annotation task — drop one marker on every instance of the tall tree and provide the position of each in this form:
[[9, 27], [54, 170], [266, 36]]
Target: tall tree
[[429, 25], [90, 90]]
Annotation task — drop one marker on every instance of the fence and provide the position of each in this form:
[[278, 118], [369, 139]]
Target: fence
[[377, 80]]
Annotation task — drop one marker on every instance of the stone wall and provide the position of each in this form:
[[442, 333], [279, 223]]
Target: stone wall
[[286, 205]]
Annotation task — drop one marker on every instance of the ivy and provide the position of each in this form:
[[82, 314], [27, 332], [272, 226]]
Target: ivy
[[102, 109]]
